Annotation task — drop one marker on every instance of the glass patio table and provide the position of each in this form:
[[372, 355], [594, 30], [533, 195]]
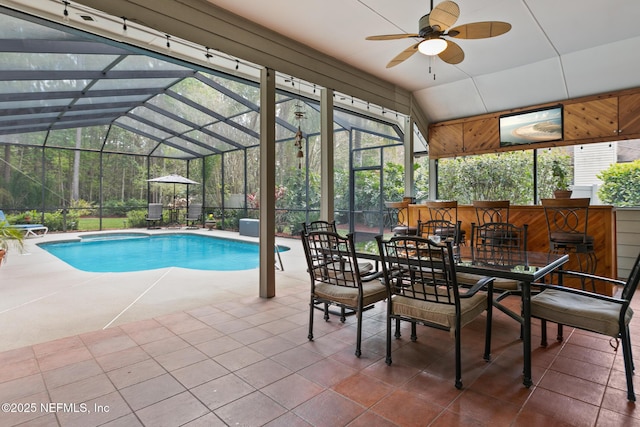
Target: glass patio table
[[534, 266]]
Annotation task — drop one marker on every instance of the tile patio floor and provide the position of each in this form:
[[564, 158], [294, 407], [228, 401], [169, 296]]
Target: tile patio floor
[[230, 358]]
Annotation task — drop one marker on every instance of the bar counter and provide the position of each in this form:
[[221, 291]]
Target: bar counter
[[601, 226]]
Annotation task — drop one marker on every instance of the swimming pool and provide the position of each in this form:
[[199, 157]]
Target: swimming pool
[[126, 252]]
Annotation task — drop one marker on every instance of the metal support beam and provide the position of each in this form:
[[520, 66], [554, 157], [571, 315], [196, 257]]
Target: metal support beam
[[433, 179], [408, 158]]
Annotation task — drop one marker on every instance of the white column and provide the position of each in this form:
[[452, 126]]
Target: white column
[[267, 182], [326, 155]]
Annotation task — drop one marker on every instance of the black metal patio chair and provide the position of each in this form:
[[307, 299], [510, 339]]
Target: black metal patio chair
[[421, 283], [336, 278]]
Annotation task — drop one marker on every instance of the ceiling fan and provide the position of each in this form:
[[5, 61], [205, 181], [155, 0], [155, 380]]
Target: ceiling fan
[[434, 26]]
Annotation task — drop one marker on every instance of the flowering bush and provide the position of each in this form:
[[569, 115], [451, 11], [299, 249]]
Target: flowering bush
[[253, 199], [179, 202]]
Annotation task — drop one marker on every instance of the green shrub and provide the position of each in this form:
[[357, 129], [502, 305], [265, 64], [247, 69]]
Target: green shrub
[[121, 208], [82, 207], [294, 221], [621, 184], [137, 218], [59, 221], [55, 221], [28, 217]]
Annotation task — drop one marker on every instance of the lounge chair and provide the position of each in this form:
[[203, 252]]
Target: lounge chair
[[154, 215], [194, 215], [34, 230]]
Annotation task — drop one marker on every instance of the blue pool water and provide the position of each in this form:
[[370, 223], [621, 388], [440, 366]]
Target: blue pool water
[[127, 252]]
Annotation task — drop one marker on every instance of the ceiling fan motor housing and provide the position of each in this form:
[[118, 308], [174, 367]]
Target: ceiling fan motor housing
[[424, 27]]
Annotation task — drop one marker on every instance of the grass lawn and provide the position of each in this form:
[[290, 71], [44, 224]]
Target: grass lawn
[[89, 224]]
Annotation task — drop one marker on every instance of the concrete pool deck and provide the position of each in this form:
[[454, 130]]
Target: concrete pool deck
[[42, 298]]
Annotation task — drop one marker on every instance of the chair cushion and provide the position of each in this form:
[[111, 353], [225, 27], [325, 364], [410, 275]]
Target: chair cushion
[[469, 279], [334, 270], [559, 237], [440, 314], [445, 231], [579, 311], [365, 267], [405, 230], [372, 292]]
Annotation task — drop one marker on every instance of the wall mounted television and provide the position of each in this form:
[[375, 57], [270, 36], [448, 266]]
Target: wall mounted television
[[530, 127]]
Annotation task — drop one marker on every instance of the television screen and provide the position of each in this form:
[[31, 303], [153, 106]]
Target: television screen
[[529, 127]]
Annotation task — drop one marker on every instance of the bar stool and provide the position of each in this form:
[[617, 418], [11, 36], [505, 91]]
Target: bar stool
[[397, 218], [567, 222], [492, 211], [445, 211]]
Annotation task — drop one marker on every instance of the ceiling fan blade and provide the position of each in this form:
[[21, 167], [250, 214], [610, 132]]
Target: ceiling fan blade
[[392, 37], [480, 30], [453, 54], [404, 55], [444, 15]]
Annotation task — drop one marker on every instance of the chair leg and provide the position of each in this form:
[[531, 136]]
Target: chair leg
[[343, 317], [487, 334], [543, 332], [458, 361], [326, 312], [388, 358], [628, 363], [633, 366], [397, 334], [521, 332], [559, 336], [312, 307], [414, 332], [359, 331]]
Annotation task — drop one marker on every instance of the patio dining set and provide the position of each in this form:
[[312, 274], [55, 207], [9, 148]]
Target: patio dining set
[[433, 276]]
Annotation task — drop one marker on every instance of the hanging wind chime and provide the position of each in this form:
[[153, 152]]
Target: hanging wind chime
[[299, 115], [298, 145]]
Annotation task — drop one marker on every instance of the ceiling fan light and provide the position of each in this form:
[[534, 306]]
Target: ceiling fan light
[[432, 46]]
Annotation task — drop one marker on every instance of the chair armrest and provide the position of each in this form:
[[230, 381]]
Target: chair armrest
[[581, 292], [591, 276], [483, 282], [372, 276]]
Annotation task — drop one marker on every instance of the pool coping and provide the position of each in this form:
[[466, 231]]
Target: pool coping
[[43, 298]]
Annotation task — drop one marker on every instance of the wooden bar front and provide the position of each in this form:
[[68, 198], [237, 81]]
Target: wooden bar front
[[601, 227]]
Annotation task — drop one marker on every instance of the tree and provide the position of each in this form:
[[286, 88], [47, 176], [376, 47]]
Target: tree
[[487, 177], [506, 176]]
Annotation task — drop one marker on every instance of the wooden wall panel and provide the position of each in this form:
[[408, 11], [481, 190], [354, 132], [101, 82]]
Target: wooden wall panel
[[445, 139], [629, 114], [596, 118], [481, 135], [591, 119]]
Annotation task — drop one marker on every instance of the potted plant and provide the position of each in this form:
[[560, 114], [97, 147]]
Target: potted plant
[[210, 221], [9, 236], [560, 179]]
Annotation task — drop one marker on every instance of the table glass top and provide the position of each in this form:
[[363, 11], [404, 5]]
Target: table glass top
[[523, 265]]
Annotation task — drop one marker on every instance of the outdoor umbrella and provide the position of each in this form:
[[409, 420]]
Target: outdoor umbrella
[[173, 179]]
